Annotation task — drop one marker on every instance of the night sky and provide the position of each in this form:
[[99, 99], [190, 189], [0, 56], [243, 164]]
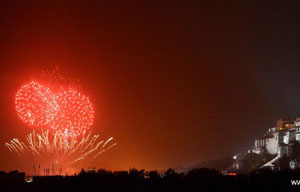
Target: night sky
[[174, 82]]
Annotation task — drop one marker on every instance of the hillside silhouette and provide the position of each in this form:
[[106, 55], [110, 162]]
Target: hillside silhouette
[[201, 179]]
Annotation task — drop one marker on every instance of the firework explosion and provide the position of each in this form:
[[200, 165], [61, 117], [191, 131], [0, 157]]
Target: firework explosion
[[65, 110], [60, 117]]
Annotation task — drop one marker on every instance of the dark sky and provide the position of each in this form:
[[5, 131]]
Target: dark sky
[[174, 82]]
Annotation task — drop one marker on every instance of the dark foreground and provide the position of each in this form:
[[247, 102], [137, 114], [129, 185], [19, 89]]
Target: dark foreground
[[138, 180]]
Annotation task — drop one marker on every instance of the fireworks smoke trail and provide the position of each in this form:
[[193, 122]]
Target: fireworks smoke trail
[[46, 147]]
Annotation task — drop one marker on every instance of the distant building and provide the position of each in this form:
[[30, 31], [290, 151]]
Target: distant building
[[91, 170], [14, 178], [285, 123], [278, 141], [294, 164]]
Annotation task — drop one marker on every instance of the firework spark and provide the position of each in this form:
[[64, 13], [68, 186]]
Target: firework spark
[[60, 116], [48, 148], [35, 104], [65, 109]]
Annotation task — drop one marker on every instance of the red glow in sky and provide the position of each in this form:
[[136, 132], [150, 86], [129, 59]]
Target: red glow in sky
[[176, 83], [67, 110]]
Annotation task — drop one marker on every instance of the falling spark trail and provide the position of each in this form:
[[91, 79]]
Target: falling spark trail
[[46, 147]]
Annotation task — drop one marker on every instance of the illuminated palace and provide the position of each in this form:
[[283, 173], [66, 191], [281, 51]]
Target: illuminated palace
[[279, 147]]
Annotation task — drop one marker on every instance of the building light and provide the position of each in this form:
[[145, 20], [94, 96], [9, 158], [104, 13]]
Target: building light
[[232, 174]]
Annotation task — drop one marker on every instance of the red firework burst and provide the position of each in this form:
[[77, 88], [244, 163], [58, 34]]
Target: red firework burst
[[35, 104], [76, 112], [67, 111]]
